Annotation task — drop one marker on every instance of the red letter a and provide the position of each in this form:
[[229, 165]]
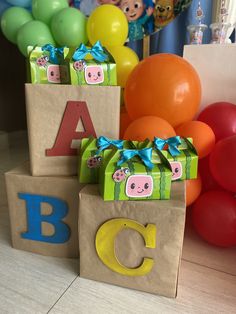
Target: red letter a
[[75, 110]]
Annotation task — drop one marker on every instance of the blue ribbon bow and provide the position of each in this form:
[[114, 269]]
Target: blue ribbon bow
[[172, 142], [53, 52], [104, 142], [144, 154], [96, 51]]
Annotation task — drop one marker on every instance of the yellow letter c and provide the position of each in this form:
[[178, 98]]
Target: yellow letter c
[[105, 245]]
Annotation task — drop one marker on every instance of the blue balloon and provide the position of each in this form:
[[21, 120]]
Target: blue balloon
[[21, 3], [3, 7]]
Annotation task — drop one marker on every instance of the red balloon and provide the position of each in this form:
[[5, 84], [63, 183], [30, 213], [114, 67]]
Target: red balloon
[[223, 163], [208, 182], [214, 218], [221, 117]]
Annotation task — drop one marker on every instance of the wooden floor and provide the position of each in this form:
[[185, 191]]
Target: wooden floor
[[30, 283]]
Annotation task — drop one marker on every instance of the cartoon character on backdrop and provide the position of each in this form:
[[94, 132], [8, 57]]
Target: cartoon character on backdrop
[[134, 9], [164, 12], [149, 26]]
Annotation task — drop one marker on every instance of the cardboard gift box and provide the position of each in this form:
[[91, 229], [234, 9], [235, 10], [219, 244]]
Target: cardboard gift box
[[59, 116], [130, 175], [93, 66], [182, 156], [43, 212], [48, 65], [132, 244]]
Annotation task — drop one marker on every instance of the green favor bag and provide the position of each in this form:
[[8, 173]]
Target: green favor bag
[[133, 178], [92, 155], [48, 65], [182, 156], [93, 66]]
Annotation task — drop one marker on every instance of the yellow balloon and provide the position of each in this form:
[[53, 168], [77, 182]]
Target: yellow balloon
[[108, 24], [126, 60]]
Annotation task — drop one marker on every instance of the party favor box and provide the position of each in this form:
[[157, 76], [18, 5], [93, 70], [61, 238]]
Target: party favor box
[[127, 175], [93, 66], [92, 155], [48, 65], [132, 244], [182, 156]]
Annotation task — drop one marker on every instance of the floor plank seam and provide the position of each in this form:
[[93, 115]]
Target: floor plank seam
[[208, 267], [62, 295]]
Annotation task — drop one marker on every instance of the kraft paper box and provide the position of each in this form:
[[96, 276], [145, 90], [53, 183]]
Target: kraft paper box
[[44, 69], [43, 213], [90, 160], [59, 116], [85, 70], [133, 180], [132, 244]]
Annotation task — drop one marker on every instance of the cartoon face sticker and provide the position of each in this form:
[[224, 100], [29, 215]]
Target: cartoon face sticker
[[133, 9], [139, 186], [120, 174], [94, 74], [53, 74], [176, 170], [79, 65], [42, 61], [94, 162]]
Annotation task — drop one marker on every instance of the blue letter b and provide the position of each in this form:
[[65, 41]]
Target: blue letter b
[[35, 218]]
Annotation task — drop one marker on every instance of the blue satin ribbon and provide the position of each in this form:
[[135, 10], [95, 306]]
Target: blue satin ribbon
[[104, 142], [53, 52], [172, 142], [96, 51], [145, 155]]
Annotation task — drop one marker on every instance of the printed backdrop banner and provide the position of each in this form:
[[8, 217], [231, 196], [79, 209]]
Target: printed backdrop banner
[[144, 16]]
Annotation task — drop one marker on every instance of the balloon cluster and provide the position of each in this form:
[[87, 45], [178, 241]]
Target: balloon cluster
[[55, 22], [214, 213], [162, 96]]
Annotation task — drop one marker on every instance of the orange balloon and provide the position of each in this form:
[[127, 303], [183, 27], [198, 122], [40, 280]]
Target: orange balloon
[[193, 190], [124, 121], [202, 135], [148, 127], [163, 85]]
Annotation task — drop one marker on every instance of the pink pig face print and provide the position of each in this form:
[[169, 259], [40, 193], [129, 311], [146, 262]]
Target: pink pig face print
[[176, 170], [94, 74], [139, 186], [53, 74]]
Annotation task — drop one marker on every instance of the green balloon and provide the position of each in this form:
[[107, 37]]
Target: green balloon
[[69, 27], [12, 19], [44, 10], [33, 33]]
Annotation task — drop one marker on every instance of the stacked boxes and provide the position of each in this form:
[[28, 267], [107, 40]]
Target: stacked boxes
[[43, 198], [134, 240]]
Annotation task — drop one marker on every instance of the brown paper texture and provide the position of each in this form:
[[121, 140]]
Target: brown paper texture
[[169, 218], [67, 189], [46, 106]]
